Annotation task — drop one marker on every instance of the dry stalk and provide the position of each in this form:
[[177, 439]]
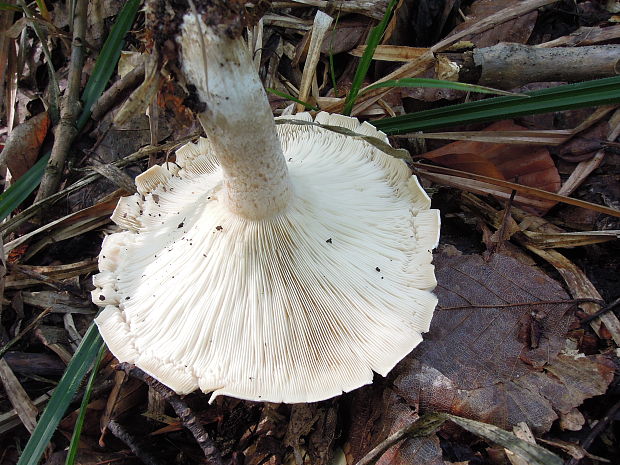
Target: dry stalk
[[67, 130]]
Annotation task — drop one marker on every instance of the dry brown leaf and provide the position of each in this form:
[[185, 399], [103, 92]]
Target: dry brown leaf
[[311, 432], [517, 30], [22, 146], [499, 365], [527, 165], [68, 226], [346, 35], [584, 146], [378, 413]]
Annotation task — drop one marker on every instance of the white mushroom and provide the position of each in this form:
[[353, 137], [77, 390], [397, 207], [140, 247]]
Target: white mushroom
[[279, 263]]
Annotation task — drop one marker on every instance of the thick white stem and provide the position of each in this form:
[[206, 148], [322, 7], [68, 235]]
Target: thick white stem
[[238, 121]]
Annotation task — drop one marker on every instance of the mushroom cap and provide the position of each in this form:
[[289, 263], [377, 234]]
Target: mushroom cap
[[298, 307]]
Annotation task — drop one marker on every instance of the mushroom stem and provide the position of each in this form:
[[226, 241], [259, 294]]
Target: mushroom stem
[[238, 120]]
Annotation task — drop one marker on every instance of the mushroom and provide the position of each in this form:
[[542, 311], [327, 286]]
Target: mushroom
[[281, 263]]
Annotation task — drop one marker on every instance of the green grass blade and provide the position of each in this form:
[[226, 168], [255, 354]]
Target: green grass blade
[[104, 67], [438, 84], [9, 7], [106, 62], [79, 423], [291, 98], [61, 398], [43, 9], [17, 193], [583, 94], [362, 68]]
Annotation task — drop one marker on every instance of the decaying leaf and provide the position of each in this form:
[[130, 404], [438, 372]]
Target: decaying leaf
[[376, 414], [527, 165], [517, 30], [22, 146], [504, 364], [523, 164]]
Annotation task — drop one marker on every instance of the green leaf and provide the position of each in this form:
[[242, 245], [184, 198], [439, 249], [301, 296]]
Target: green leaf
[[583, 94], [106, 62], [439, 84], [9, 7], [104, 67], [61, 398], [362, 68], [43, 8], [17, 193], [291, 98], [79, 423]]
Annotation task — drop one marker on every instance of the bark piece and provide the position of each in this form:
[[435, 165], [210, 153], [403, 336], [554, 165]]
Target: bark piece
[[509, 65], [24, 363]]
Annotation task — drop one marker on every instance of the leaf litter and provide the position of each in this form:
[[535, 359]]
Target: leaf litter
[[501, 365], [497, 351]]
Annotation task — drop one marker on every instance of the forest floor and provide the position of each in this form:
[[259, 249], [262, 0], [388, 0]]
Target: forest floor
[[513, 342]]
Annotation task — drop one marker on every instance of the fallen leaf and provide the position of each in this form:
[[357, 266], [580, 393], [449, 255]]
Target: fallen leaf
[[476, 363], [378, 413], [343, 37], [584, 146], [528, 165], [517, 30], [23, 145]]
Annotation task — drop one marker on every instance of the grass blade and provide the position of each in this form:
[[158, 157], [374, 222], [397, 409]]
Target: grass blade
[[362, 68], [17, 193], [583, 94], [104, 67], [79, 423], [63, 395], [9, 7], [439, 84], [106, 62], [291, 98]]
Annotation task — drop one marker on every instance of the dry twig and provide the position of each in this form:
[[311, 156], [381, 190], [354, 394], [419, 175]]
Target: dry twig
[[67, 130], [134, 444], [189, 420]]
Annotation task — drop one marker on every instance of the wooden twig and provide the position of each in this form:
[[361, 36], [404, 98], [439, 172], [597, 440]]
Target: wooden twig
[[110, 97], [523, 304], [188, 418], [67, 130], [506, 66], [600, 312], [133, 443], [54, 283], [30, 325], [600, 426]]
